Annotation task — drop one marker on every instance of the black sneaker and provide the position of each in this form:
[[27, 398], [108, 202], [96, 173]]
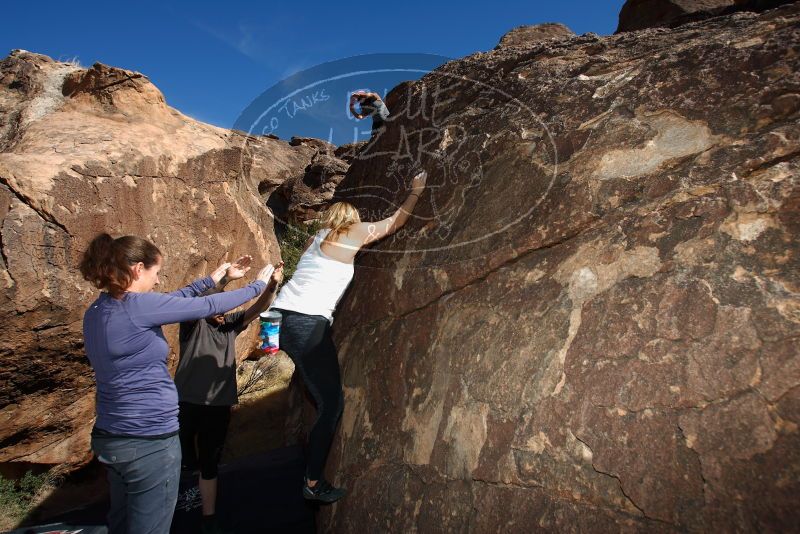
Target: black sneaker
[[322, 492]]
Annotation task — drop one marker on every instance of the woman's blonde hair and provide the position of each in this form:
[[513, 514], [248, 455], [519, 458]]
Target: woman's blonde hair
[[339, 217]]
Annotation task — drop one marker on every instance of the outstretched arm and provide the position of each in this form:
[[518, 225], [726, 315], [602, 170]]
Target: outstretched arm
[[266, 297], [218, 278], [201, 285], [195, 288], [369, 232], [353, 100], [156, 309]]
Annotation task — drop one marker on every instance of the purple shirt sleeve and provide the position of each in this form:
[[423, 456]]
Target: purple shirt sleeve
[[195, 288], [155, 309]]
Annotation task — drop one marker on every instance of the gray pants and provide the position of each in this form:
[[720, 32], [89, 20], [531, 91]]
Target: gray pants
[[143, 478]]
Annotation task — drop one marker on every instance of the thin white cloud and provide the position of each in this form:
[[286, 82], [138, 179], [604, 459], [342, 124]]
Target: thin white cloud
[[242, 43], [247, 41]]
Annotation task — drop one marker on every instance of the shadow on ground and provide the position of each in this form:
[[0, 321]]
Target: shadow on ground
[[260, 493], [260, 481]]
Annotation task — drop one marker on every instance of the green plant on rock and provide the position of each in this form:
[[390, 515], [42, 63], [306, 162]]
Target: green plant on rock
[[292, 243]]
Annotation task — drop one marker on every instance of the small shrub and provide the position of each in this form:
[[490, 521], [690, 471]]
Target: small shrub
[[257, 376], [17, 497]]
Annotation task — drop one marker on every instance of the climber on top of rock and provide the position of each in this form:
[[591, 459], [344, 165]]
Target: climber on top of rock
[[371, 105], [306, 304]]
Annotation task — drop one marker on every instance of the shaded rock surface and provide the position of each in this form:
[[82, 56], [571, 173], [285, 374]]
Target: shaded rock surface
[[641, 14], [591, 321], [303, 197], [90, 150]]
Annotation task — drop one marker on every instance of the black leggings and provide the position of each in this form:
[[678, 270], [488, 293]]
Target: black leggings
[[209, 426], [307, 340]]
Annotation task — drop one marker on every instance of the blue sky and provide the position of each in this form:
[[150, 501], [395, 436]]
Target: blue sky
[[212, 59]]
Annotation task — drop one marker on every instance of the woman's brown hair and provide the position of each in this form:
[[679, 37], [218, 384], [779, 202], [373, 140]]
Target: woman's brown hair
[[107, 262]]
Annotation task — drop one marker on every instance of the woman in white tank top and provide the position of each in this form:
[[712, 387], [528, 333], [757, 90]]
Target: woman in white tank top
[[307, 302], [320, 280]]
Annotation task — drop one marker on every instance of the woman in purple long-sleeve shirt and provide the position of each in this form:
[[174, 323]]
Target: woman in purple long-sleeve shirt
[[136, 431]]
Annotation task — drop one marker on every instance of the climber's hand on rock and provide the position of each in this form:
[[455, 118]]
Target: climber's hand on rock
[[418, 182]]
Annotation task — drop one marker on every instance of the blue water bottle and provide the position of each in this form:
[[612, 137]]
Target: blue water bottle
[[269, 331]]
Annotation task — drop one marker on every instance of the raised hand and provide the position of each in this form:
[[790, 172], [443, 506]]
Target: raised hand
[[265, 274], [277, 275], [218, 273], [239, 268]]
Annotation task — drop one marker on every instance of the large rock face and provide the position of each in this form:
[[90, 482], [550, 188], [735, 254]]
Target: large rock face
[[591, 322], [84, 151]]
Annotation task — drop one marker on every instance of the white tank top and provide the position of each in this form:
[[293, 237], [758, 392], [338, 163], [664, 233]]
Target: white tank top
[[317, 284]]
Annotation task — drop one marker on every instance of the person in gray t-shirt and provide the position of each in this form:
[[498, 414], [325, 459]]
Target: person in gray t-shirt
[[206, 382]]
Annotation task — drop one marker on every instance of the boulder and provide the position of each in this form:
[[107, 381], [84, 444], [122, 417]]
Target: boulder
[[84, 151], [590, 322], [319, 145], [302, 198], [641, 14], [528, 35]]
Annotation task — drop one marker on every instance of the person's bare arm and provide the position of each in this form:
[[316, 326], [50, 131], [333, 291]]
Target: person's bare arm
[[369, 232], [353, 101], [266, 298]]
